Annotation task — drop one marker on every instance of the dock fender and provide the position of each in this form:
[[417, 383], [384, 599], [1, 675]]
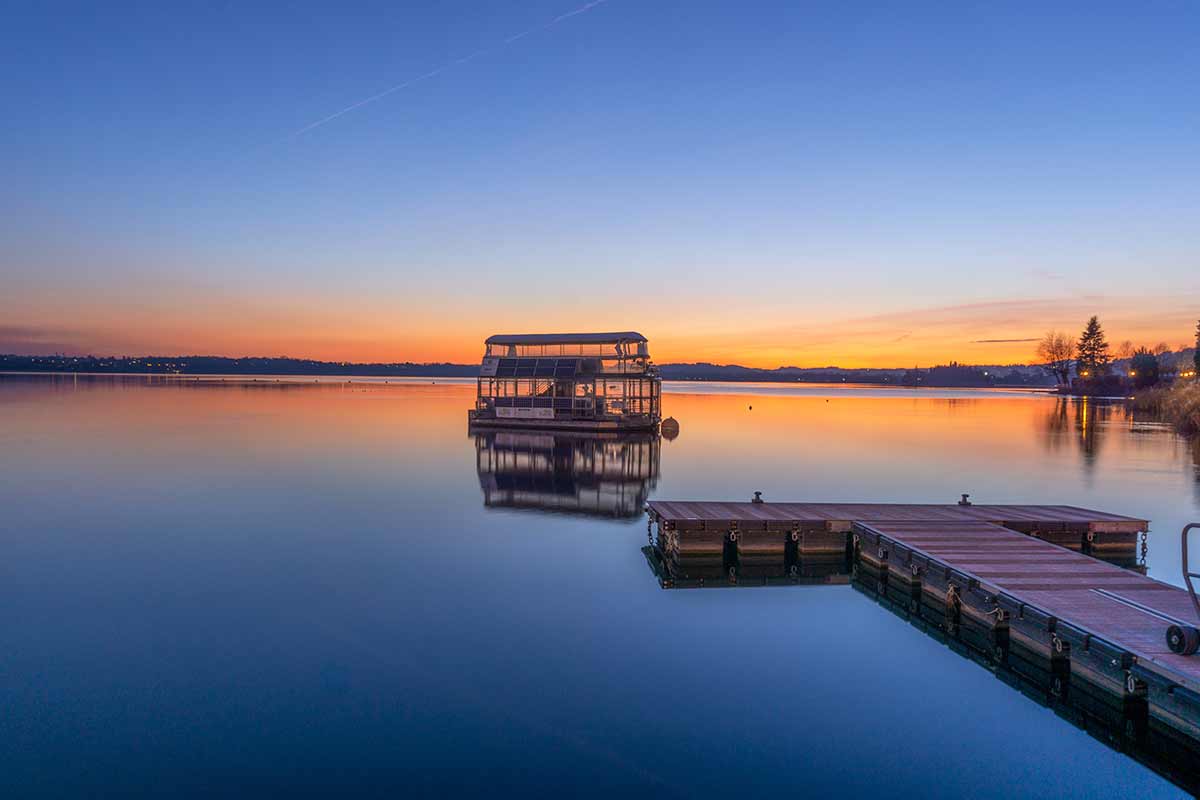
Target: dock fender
[[1183, 640]]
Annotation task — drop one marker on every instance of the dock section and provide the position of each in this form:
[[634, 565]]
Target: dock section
[[1087, 630], [1047, 596], [698, 541], [1171, 756], [1091, 626]]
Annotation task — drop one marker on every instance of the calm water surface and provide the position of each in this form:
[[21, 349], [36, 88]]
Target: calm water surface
[[212, 588]]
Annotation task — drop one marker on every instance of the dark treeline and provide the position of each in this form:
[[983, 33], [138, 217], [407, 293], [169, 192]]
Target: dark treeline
[[218, 365], [946, 376], [951, 375]]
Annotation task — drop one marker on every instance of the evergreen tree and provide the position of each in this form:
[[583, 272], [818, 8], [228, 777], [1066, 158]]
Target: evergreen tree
[[1144, 368], [1092, 351]]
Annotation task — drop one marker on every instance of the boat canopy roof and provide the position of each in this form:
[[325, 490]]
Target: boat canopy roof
[[565, 338]]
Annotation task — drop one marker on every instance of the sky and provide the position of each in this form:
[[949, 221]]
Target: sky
[[765, 183]]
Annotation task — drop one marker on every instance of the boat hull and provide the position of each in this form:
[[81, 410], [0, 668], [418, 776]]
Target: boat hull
[[475, 419]]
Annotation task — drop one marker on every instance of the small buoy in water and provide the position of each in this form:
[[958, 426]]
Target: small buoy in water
[[669, 428]]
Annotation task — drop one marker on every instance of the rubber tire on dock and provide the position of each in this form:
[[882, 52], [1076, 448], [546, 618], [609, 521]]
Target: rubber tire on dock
[[1183, 639]]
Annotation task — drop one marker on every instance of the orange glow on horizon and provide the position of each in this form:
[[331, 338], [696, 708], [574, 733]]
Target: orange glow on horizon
[[999, 332]]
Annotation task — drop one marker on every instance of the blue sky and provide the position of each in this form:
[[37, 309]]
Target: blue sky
[[740, 181]]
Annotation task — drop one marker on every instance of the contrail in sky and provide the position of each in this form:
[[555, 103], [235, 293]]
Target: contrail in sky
[[1001, 341], [449, 65]]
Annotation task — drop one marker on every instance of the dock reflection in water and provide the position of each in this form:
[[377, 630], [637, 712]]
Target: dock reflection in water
[[1120, 723], [701, 558], [682, 562], [595, 474]]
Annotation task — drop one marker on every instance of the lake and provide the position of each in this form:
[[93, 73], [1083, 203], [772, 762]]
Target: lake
[[295, 587]]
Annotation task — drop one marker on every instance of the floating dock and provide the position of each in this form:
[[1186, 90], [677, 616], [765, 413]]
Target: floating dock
[[1023, 585], [738, 535], [1172, 757]]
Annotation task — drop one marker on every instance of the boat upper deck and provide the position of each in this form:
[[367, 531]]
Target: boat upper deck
[[690, 515]]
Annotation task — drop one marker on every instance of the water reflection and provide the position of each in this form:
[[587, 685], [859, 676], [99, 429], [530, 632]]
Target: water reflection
[[604, 475], [1194, 445], [1080, 424], [680, 570], [1121, 724], [350, 602], [1086, 426]]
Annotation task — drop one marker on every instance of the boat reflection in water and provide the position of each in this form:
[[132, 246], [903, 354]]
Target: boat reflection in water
[[597, 474]]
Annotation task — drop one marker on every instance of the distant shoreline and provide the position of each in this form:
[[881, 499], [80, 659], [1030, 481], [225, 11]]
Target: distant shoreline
[[947, 376], [469, 380]]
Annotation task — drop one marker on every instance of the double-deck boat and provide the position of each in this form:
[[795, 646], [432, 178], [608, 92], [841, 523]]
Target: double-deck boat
[[571, 381]]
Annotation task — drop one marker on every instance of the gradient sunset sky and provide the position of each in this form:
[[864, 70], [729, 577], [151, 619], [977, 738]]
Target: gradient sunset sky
[[756, 182]]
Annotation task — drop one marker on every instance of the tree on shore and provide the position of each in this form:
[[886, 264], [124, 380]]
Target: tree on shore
[[1092, 351], [1057, 351], [1144, 368]]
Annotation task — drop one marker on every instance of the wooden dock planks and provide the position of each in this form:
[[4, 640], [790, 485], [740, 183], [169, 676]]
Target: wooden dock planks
[[1115, 725], [1027, 579], [684, 515], [1093, 622], [707, 527]]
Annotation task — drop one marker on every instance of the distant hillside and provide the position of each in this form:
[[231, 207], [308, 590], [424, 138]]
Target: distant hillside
[[950, 375], [704, 371], [218, 365], [945, 376]]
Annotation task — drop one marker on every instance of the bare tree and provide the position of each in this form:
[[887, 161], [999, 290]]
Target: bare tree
[[1057, 351], [1125, 349]]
